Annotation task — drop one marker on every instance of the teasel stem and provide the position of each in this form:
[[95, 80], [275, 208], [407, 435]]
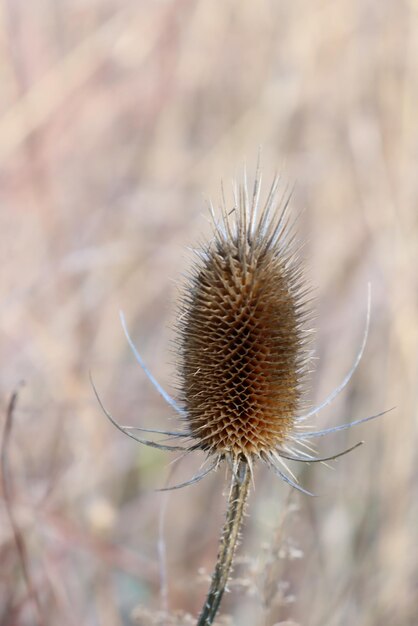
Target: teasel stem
[[238, 494]]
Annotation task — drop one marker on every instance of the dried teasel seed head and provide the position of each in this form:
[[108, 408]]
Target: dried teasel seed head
[[243, 345], [244, 357]]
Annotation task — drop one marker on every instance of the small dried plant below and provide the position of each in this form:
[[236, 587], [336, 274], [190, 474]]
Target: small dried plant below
[[243, 346]]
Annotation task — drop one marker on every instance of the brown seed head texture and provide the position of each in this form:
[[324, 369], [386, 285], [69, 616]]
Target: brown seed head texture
[[242, 340]]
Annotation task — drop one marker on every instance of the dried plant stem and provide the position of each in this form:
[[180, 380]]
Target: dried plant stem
[[235, 511], [8, 500]]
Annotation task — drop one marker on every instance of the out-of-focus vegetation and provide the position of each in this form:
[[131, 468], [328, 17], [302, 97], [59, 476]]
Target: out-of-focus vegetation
[[116, 118]]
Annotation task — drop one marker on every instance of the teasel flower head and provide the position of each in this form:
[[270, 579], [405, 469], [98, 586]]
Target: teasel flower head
[[243, 343], [243, 332], [244, 355]]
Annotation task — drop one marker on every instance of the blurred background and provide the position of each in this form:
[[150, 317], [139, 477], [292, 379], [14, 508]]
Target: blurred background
[[118, 120]]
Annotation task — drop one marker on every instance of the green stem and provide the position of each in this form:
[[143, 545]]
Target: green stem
[[234, 514]]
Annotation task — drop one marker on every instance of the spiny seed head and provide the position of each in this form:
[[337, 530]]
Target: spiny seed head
[[243, 346], [242, 341]]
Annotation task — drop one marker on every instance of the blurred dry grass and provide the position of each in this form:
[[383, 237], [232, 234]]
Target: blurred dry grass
[[115, 118]]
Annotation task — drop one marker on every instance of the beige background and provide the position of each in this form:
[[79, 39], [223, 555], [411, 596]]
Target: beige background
[[117, 120]]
